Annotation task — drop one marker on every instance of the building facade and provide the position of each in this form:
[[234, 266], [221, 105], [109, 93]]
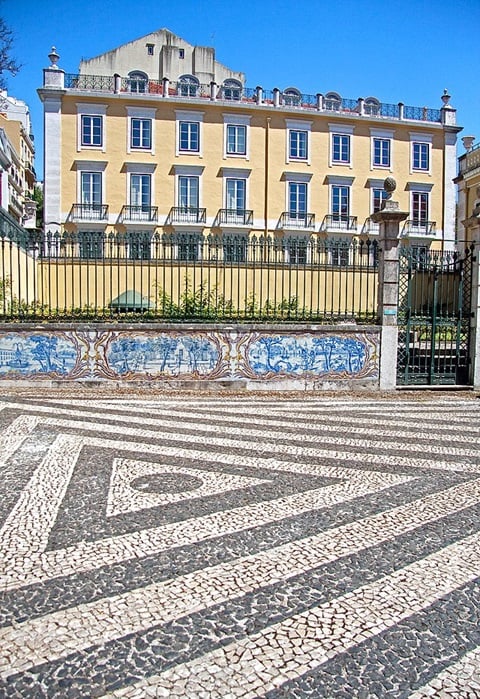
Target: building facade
[[468, 181], [17, 161], [157, 138]]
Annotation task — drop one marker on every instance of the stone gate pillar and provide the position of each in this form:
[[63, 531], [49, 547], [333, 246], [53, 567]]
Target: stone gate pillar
[[389, 219]]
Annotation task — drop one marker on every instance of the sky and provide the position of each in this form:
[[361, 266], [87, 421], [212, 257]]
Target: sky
[[398, 50]]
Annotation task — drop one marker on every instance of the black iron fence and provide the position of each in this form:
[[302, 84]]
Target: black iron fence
[[139, 276]]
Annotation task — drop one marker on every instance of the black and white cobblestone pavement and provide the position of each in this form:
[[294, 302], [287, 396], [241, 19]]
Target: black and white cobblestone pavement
[[239, 546]]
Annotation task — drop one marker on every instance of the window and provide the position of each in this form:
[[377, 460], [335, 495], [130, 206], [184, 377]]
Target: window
[[298, 141], [181, 53], [90, 244], [137, 81], [332, 102], [381, 152], [188, 86], [234, 248], [292, 97], [297, 200], [297, 251], [236, 194], [187, 247], [232, 90], [139, 245], [420, 208], [189, 137], [371, 106], [341, 148], [140, 191], [91, 188], [420, 156], [339, 253], [141, 134], [150, 48], [91, 130], [236, 139], [188, 188], [378, 197], [340, 203]]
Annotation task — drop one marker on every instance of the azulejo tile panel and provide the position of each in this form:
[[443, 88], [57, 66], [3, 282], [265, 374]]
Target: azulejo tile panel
[[194, 355], [47, 355], [148, 354], [327, 355]]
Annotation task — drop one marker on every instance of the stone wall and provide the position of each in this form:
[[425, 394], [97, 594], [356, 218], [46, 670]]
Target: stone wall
[[284, 357]]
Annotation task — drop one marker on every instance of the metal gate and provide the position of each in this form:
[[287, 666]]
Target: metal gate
[[435, 291]]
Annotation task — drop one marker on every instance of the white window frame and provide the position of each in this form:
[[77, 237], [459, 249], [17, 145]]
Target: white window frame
[[421, 192], [236, 120], [91, 110], [141, 113], [191, 117], [297, 125], [341, 130], [90, 166], [425, 140]]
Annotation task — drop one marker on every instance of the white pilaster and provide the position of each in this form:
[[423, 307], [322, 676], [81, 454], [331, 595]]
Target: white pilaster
[[449, 206], [52, 157]]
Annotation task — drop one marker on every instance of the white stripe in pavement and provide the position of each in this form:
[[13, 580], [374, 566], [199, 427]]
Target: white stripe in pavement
[[25, 531], [459, 681], [199, 420], [52, 636], [15, 434], [284, 651]]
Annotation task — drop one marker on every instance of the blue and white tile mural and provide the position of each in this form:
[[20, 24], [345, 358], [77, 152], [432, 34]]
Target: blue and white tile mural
[[149, 354], [297, 355], [167, 354], [35, 353]]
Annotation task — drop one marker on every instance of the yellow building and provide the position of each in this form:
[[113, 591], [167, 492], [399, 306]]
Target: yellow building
[[468, 180], [158, 138], [19, 174]]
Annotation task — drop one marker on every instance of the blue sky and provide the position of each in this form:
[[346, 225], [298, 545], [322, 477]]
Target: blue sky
[[398, 50]]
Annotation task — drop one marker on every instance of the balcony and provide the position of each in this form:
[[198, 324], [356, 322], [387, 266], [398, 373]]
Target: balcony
[[370, 227], [235, 218], [332, 223], [289, 99], [186, 215], [423, 229], [295, 220], [89, 212], [470, 160], [138, 214]]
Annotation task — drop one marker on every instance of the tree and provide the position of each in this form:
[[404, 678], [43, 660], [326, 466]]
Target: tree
[[8, 64]]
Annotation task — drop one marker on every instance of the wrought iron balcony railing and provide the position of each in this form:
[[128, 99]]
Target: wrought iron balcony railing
[[339, 222], [234, 217], [370, 227], [297, 220], [289, 100], [141, 214], [89, 212], [414, 227], [187, 214]]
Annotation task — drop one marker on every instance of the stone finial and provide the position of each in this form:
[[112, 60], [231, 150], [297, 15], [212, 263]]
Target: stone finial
[[468, 142], [446, 98], [389, 186], [54, 57]]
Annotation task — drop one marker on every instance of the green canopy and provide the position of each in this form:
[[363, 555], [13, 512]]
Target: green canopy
[[131, 300]]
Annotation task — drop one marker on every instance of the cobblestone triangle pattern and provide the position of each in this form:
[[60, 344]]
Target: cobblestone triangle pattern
[[245, 547]]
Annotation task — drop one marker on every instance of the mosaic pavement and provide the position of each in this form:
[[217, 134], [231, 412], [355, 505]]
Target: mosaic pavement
[[240, 547]]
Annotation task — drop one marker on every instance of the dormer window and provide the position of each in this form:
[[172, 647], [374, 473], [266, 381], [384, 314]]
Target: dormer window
[[188, 86], [232, 90], [332, 102], [371, 106], [137, 81], [292, 97]]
